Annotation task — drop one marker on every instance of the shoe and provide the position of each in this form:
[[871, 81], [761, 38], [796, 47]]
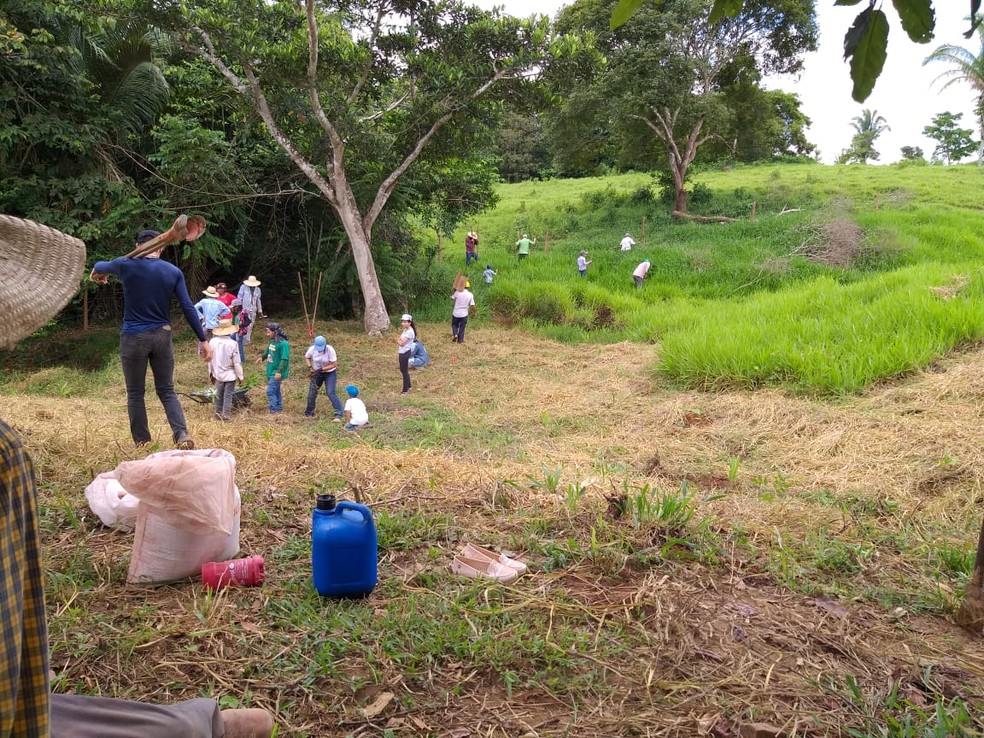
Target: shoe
[[482, 568], [405, 392], [477, 552], [336, 419], [247, 723], [184, 442]]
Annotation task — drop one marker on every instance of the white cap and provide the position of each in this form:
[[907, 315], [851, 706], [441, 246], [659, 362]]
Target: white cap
[[407, 317]]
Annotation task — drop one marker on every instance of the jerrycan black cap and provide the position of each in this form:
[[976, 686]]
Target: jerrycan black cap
[[326, 502]]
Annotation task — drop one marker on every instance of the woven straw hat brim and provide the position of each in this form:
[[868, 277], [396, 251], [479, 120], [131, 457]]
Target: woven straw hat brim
[[40, 271], [252, 281]]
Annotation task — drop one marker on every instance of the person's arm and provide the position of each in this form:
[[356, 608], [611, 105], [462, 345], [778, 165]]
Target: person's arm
[[237, 364], [102, 269]]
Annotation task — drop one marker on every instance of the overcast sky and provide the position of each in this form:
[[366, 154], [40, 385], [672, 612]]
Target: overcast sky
[[905, 94]]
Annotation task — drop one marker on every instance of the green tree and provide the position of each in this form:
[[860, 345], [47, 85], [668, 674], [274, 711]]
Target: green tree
[[667, 69], [966, 67], [867, 128], [359, 97], [522, 151], [913, 153], [952, 143], [866, 42]]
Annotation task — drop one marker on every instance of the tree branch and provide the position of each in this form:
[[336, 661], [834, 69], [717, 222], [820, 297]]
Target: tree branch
[[372, 44], [386, 188], [263, 108], [210, 55], [337, 146]]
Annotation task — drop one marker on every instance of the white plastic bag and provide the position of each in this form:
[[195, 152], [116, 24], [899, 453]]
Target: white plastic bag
[[115, 507]]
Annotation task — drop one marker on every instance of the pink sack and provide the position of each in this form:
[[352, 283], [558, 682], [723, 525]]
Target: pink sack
[[189, 512]]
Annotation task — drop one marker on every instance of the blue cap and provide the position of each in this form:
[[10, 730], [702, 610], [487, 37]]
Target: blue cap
[[352, 390], [646, 260], [320, 343], [147, 235]]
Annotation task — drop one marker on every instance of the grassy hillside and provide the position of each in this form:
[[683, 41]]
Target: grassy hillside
[[843, 277]]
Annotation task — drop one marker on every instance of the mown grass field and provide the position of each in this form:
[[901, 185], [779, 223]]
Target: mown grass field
[[699, 560]]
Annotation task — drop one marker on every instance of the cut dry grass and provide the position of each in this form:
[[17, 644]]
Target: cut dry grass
[[824, 518]]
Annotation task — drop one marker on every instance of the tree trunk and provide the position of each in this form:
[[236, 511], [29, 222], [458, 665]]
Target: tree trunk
[[375, 318], [680, 199], [971, 613]]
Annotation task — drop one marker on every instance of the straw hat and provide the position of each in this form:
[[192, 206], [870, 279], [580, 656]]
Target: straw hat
[[210, 291], [40, 271], [226, 328], [252, 281]]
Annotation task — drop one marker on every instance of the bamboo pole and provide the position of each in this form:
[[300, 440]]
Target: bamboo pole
[[307, 320], [317, 295], [642, 236]]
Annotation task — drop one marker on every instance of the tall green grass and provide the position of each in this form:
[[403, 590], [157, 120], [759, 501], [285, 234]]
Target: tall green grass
[[739, 304]]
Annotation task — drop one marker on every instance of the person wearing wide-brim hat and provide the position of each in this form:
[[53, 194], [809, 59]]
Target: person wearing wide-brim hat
[[149, 285], [212, 309], [226, 366], [42, 269], [251, 298]]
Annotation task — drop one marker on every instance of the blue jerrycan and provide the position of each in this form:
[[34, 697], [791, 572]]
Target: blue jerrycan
[[343, 548]]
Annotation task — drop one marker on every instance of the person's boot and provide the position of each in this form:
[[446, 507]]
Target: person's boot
[[247, 723]]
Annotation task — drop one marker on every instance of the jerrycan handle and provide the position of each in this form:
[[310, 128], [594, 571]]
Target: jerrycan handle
[[355, 507]]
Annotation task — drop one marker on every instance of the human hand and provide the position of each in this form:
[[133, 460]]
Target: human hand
[[206, 349], [98, 278], [277, 376]]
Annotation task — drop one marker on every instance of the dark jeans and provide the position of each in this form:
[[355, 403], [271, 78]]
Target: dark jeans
[[405, 370], [469, 256], [330, 381], [242, 348], [458, 328], [638, 281], [137, 350], [275, 396]]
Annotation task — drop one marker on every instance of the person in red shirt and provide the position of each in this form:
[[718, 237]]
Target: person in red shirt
[[225, 297]]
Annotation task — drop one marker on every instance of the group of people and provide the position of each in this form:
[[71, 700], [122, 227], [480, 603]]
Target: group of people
[[523, 245]]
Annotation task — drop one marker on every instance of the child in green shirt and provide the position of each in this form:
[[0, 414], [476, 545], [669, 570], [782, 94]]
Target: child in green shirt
[[277, 359]]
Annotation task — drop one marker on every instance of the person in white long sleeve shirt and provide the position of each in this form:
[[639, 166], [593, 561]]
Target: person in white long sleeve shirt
[[225, 367], [626, 243]]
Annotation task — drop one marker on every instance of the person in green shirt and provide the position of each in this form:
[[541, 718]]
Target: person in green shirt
[[523, 246], [277, 359]]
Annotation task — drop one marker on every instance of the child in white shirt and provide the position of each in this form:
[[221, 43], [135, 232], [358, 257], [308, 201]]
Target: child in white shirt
[[226, 368], [356, 414]]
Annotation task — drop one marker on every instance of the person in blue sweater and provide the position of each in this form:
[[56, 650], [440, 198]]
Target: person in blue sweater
[[418, 356], [149, 284]]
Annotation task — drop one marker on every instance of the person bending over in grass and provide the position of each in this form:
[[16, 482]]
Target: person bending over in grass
[[640, 273], [356, 414], [418, 356], [322, 362], [41, 281], [626, 243]]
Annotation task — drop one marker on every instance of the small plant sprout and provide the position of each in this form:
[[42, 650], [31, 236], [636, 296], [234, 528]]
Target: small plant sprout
[[733, 464]]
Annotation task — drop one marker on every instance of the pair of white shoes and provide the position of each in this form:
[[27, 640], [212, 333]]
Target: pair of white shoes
[[475, 561]]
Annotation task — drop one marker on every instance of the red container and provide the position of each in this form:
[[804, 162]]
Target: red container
[[246, 572]]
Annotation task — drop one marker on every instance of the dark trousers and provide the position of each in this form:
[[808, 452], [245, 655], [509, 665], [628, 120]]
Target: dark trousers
[[405, 370], [469, 255], [137, 350], [330, 381], [458, 328]]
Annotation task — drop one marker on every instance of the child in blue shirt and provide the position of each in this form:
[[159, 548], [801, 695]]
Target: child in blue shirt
[[489, 273]]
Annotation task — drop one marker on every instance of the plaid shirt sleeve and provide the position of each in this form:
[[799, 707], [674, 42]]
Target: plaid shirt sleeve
[[24, 648]]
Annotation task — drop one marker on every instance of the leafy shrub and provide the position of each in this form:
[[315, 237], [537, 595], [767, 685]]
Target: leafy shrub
[[701, 194]]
